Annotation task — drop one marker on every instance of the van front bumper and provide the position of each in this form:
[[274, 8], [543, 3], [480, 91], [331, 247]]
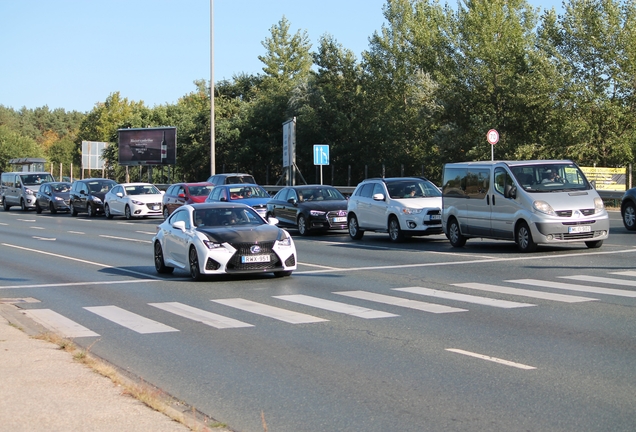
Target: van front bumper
[[572, 231]]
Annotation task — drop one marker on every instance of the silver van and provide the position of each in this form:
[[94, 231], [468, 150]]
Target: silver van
[[20, 188], [528, 202]]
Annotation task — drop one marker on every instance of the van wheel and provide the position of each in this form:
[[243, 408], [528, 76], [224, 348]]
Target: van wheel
[[5, 206], [455, 235], [395, 232], [524, 238], [354, 229], [594, 244], [23, 205]]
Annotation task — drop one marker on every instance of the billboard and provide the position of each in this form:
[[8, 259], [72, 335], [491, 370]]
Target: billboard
[[92, 154], [148, 146], [606, 179]]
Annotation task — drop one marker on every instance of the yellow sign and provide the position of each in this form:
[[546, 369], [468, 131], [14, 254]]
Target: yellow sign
[[606, 179]]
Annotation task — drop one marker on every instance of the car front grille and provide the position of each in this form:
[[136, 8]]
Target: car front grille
[[154, 206], [568, 213], [235, 264]]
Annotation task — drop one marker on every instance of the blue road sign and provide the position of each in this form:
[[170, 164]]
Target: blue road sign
[[321, 154]]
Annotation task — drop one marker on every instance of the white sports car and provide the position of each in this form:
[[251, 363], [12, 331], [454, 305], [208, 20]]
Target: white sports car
[[222, 238]]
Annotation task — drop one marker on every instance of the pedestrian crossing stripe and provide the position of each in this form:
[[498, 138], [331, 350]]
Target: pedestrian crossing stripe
[[334, 306], [464, 297], [399, 301], [200, 315], [59, 324], [575, 287], [130, 320], [605, 280], [524, 292], [269, 311]]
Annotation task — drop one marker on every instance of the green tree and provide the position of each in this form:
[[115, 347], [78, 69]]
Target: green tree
[[13, 145]]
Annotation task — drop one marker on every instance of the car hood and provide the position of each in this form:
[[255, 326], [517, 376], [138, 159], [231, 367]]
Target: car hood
[[151, 198], [426, 202], [324, 205], [253, 201], [242, 234]]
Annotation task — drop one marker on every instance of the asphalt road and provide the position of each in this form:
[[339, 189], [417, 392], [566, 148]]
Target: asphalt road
[[366, 335]]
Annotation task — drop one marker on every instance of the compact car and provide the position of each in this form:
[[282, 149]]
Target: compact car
[[87, 195], [253, 195], [402, 206], [180, 194], [53, 197], [309, 208], [222, 238], [133, 200]]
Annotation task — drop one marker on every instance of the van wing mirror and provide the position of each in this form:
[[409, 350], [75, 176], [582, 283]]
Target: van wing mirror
[[510, 192]]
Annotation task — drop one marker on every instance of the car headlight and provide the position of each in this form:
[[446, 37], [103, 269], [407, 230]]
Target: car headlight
[[285, 241], [96, 200], [28, 191], [212, 245], [410, 211], [317, 213], [135, 202], [59, 198], [598, 205], [543, 207]]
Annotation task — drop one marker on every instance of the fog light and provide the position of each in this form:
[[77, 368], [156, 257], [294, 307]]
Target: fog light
[[411, 224], [549, 237]]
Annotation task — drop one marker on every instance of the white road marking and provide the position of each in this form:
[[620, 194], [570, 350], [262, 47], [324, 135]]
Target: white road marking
[[45, 238], [525, 293], [67, 284], [611, 281], [200, 315], [82, 261], [625, 273], [269, 311], [575, 287], [492, 359], [59, 324], [5, 224], [26, 220], [334, 306], [319, 266], [124, 238], [130, 320], [402, 302], [76, 232], [145, 232], [37, 227], [464, 297]]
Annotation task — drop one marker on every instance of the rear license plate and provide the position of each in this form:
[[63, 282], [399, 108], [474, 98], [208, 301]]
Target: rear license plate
[[579, 229], [339, 219], [255, 258]]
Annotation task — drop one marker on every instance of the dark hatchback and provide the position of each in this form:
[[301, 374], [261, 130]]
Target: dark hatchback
[[628, 209], [53, 196], [309, 208], [87, 195]]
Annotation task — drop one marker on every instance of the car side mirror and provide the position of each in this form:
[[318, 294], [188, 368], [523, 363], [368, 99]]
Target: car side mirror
[[119, 194], [272, 221], [292, 201], [83, 191], [378, 197], [510, 192], [180, 225]]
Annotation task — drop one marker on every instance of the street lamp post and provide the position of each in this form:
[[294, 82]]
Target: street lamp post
[[212, 143]]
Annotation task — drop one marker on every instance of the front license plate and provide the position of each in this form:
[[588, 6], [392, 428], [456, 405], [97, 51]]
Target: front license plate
[[339, 219], [155, 207], [436, 217], [579, 229], [255, 258]]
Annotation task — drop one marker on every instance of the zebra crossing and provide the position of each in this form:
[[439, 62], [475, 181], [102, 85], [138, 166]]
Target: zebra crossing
[[68, 328]]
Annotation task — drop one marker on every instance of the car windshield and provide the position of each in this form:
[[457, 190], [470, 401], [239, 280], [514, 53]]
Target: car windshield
[[36, 179], [320, 194], [60, 187], [224, 217], [412, 188], [101, 185], [200, 190], [142, 190], [550, 178], [242, 192]]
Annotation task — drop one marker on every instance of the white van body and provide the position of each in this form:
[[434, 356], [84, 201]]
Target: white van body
[[528, 202], [20, 188]]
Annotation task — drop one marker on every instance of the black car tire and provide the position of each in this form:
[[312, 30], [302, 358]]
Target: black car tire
[[455, 235], [283, 273], [395, 232], [127, 213], [524, 238], [73, 209], [594, 244], [38, 209], [107, 212], [23, 205], [166, 213], [5, 206], [52, 208], [629, 216], [303, 230], [160, 265], [92, 211], [193, 260], [354, 229]]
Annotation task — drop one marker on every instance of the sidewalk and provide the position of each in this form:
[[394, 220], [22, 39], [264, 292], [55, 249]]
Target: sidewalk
[[42, 387]]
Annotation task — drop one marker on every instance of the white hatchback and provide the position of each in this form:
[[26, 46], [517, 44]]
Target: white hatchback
[[133, 200], [402, 206]]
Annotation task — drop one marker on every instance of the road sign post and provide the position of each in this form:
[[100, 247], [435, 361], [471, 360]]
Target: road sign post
[[493, 138], [321, 156]]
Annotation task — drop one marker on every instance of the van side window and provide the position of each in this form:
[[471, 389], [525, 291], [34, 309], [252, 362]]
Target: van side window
[[477, 182], [454, 182], [502, 178]]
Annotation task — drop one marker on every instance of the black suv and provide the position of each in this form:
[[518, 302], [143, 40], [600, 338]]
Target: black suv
[[87, 195], [231, 178]]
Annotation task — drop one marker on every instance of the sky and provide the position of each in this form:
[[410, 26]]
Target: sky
[[72, 54]]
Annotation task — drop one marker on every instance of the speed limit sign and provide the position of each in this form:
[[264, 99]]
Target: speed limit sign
[[492, 136]]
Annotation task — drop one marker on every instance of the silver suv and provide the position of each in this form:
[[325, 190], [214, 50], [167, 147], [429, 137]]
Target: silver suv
[[402, 206]]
